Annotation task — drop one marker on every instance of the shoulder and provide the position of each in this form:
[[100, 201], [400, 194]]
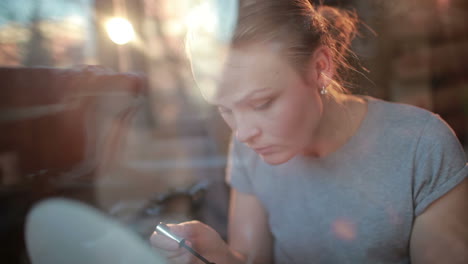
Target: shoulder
[[438, 139], [399, 112], [431, 127], [429, 145], [406, 120]]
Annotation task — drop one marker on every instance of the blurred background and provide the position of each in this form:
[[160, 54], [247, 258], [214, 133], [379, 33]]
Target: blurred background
[[133, 136]]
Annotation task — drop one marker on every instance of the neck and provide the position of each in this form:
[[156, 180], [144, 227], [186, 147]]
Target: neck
[[341, 119]]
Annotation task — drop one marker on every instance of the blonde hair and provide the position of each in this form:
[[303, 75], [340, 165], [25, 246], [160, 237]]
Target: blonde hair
[[299, 28]]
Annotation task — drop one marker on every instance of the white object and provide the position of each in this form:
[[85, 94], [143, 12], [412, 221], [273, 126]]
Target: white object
[[65, 231]]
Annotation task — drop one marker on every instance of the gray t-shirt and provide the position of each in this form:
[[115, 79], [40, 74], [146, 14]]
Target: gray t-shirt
[[358, 204]]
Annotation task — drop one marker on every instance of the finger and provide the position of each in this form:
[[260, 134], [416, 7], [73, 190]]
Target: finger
[[182, 259], [163, 242], [187, 229], [171, 254]]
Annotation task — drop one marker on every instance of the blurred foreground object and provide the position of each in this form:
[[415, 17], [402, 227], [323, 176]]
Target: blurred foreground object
[[62, 231], [61, 130]]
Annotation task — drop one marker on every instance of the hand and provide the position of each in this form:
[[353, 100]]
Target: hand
[[199, 236]]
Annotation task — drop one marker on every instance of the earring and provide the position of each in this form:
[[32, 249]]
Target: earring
[[323, 91]]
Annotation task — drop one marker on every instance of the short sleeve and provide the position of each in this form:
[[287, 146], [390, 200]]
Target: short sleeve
[[236, 173], [440, 163]]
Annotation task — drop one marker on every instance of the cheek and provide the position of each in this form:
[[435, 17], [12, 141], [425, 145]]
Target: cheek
[[290, 123], [296, 117]]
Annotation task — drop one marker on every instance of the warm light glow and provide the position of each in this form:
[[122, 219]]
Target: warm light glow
[[210, 25], [75, 20], [202, 18], [120, 30], [344, 229]]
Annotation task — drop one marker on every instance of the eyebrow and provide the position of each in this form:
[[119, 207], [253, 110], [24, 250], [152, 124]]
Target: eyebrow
[[248, 96]]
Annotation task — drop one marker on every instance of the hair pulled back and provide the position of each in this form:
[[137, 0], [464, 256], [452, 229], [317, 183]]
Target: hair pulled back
[[298, 28]]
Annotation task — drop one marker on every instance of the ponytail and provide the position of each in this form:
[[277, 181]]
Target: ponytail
[[340, 28], [340, 25]]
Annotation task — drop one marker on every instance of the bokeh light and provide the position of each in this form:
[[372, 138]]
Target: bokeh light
[[120, 30]]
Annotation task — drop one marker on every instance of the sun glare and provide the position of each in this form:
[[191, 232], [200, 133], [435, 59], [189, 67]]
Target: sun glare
[[120, 30]]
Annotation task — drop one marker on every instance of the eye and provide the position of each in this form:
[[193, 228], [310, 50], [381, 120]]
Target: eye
[[264, 104]]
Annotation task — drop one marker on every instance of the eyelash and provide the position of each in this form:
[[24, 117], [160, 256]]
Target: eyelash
[[264, 105]]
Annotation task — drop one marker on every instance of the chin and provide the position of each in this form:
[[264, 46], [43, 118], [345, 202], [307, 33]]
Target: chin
[[277, 158]]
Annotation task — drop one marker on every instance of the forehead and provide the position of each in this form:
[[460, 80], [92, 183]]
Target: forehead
[[247, 70]]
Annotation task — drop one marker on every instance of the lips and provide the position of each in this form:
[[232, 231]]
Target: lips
[[264, 150]]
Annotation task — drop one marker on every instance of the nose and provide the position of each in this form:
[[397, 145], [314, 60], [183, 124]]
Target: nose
[[246, 133]]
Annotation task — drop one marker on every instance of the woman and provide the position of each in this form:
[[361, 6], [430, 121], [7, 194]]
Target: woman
[[319, 175]]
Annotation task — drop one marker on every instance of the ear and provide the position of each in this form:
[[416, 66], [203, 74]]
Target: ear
[[321, 67]]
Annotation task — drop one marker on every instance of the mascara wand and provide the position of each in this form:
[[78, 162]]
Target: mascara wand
[[164, 229]]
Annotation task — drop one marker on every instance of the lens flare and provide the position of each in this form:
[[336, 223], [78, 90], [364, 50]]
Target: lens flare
[[120, 30], [344, 229], [210, 26]]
